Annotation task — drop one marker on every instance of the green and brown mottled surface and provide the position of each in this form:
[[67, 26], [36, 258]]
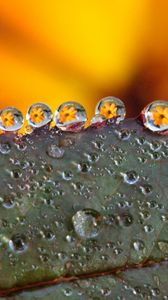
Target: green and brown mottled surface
[[87, 209]]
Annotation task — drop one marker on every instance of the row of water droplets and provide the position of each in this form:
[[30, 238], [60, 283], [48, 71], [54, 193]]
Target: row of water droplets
[[71, 116]]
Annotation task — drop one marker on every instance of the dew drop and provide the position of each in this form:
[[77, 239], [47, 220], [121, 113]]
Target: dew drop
[[18, 243], [8, 201], [38, 115], [5, 148], [67, 292], [28, 129], [125, 219], [163, 246], [155, 116], [55, 152], [123, 134], [84, 167], [110, 108], [148, 228], [67, 175], [130, 177], [70, 116], [146, 189], [87, 223], [98, 121], [138, 245], [16, 173], [11, 119]]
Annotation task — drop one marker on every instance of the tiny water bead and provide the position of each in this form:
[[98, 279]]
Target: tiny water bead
[[5, 148], [98, 121], [55, 152], [111, 107], [18, 243], [70, 116], [87, 223], [11, 119], [130, 177], [155, 116], [38, 115]]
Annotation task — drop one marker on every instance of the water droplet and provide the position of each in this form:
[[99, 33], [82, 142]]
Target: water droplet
[[18, 243], [148, 228], [98, 121], [155, 116], [111, 107], [123, 134], [5, 148], [146, 189], [105, 292], [84, 167], [130, 177], [8, 201], [138, 245], [16, 173], [69, 238], [11, 119], [67, 292], [87, 223], [67, 175], [28, 129], [55, 152], [124, 219], [70, 116], [163, 246], [38, 115]]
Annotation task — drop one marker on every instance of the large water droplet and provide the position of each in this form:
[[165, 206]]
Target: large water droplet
[[70, 116], [111, 107], [155, 116], [11, 119], [38, 115], [87, 223]]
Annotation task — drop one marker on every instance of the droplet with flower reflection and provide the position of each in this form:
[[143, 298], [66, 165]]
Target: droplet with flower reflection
[[38, 115], [11, 119], [111, 107], [155, 116], [70, 116]]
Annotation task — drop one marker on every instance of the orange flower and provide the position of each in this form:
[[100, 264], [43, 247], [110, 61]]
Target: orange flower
[[67, 114], [160, 115], [7, 119], [109, 110], [37, 115]]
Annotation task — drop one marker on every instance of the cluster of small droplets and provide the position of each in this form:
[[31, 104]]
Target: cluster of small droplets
[[72, 117]]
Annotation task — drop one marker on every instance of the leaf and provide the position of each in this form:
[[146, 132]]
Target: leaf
[[99, 207], [144, 283]]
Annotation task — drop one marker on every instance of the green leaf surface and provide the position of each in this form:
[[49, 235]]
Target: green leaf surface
[[145, 283], [80, 204]]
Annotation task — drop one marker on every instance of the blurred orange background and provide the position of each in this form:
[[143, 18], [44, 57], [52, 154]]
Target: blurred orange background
[[56, 51]]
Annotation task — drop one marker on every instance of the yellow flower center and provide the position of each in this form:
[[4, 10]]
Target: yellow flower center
[[7, 119], [160, 116], [36, 115], [108, 110], [67, 114]]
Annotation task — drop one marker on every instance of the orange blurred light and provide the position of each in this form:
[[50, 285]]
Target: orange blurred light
[[57, 51]]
